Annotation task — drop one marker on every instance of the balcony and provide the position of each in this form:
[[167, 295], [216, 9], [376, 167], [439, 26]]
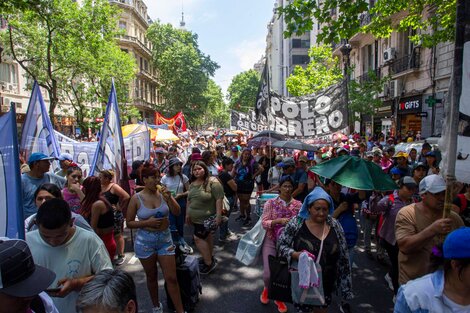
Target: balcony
[[135, 42], [404, 64], [143, 104], [371, 75], [130, 5]]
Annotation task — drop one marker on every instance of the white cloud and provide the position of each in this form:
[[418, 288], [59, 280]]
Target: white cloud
[[248, 52]]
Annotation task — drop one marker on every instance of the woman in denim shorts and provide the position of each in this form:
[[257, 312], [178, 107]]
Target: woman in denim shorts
[[153, 240]]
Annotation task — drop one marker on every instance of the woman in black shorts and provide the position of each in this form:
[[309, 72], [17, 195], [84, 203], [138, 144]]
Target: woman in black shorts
[[245, 171]]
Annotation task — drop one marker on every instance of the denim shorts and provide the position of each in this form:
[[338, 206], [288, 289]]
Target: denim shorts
[[148, 243]]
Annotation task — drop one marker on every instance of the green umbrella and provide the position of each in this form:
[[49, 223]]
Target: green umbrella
[[354, 172]]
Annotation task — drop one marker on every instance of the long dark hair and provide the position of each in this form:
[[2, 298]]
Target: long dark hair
[[92, 191], [206, 173]]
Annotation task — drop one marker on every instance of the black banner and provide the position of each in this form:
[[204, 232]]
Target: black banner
[[261, 105], [246, 121], [318, 115]]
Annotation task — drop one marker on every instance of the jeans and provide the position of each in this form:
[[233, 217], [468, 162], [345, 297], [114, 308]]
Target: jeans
[[177, 222], [223, 232]]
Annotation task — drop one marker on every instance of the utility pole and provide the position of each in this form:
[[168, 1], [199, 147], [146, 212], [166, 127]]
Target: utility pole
[[462, 37], [346, 51]]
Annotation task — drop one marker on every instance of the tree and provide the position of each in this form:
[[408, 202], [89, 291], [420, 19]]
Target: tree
[[364, 95], [243, 90], [322, 72], [184, 70], [71, 50], [217, 109], [432, 20]]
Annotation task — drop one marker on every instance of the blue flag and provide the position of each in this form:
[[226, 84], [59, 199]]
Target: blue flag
[[11, 203], [38, 134], [110, 152]]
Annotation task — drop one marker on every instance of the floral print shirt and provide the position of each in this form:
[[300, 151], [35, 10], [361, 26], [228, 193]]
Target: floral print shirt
[[285, 246], [278, 208]]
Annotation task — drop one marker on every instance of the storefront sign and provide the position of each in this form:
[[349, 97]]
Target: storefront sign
[[410, 105], [422, 114]]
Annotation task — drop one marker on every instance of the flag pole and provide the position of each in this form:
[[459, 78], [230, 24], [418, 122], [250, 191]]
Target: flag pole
[[462, 20]]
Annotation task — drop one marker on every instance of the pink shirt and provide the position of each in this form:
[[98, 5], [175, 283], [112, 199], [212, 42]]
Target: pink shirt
[[72, 199], [278, 208]]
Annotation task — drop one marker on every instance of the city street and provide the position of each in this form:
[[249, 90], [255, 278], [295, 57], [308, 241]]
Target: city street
[[235, 288]]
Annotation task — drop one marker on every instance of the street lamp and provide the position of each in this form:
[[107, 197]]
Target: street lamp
[[346, 51]]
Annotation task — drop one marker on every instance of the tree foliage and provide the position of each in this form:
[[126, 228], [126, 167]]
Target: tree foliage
[[364, 95], [184, 70], [322, 72], [71, 50], [432, 20], [243, 90], [217, 110]]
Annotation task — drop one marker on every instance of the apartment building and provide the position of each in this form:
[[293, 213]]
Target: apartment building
[[414, 98], [134, 22], [284, 54]]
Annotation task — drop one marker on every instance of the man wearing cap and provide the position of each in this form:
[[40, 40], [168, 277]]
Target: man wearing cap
[[39, 163], [65, 159], [22, 282], [72, 253], [420, 226], [389, 206], [446, 290], [299, 178], [401, 159], [160, 162]]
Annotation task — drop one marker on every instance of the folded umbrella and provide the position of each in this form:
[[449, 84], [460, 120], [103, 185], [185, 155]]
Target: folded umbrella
[[356, 173], [271, 134]]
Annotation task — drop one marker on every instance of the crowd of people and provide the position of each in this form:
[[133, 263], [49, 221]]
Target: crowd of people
[[74, 225]]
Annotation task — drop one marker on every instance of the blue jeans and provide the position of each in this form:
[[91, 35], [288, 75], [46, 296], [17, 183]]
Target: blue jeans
[[223, 232], [177, 222]]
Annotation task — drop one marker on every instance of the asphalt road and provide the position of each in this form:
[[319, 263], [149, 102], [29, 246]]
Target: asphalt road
[[235, 288]]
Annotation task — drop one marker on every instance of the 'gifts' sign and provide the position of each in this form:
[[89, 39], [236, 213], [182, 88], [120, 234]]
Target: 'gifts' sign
[[410, 105]]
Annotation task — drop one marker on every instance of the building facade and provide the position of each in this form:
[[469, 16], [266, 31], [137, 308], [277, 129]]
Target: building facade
[[134, 22], [284, 54], [419, 80]]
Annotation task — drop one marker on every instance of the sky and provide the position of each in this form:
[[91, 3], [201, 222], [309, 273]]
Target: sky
[[232, 32]]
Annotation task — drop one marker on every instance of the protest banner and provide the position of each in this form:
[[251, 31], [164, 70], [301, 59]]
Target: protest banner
[[245, 121], [176, 123], [11, 202]]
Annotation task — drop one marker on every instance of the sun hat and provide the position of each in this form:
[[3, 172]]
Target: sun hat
[[65, 156], [196, 157], [160, 150], [400, 154], [174, 161], [432, 184], [456, 244], [19, 276], [38, 156]]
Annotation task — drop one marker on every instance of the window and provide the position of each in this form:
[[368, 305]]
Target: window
[[122, 25], [367, 58], [300, 59], [8, 73], [146, 65], [299, 43]]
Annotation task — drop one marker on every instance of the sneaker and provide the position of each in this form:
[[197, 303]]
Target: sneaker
[[247, 222], [185, 248], [206, 269], [281, 306], [120, 260], [388, 279], [345, 308], [240, 218], [158, 310], [264, 296]]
